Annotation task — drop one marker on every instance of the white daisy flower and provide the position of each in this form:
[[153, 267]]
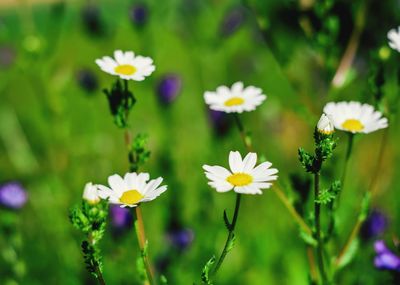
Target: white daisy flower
[[394, 39], [126, 65], [325, 125], [131, 190], [243, 176], [355, 117], [90, 193], [235, 99]]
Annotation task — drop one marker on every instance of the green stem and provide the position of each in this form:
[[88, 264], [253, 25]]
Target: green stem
[[99, 275], [142, 241], [230, 235], [245, 139], [317, 215], [347, 159]]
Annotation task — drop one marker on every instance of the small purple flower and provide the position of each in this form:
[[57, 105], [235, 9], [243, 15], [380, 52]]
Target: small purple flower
[[13, 195], [121, 218], [220, 121], [91, 19], [139, 14], [180, 238], [375, 225], [87, 80], [232, 21], [7, 56], [169, 88], [385, 259]]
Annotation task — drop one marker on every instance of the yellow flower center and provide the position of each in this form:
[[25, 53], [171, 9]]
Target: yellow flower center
[[234, 101], [125, 69], [131, 197], [240, 179], [353, 125]]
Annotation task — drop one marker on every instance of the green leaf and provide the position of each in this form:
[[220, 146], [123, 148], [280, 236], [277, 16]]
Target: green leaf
[[349, 254], [227, 222], [206, 271], [365, 205], [231, 243], [326, 196], [308, 239], [163, 280]]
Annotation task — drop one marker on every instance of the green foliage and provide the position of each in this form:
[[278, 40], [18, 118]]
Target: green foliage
[[307, 160], [92, 258], [205, 274], [138, 154], [91, 220], [308, 238], [120, 101], [350, 253], [141, 268], [324, 146], [365, 206], [328, 195]]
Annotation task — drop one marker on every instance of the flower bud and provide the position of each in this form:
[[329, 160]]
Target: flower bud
[[325, 125], [90, 194]]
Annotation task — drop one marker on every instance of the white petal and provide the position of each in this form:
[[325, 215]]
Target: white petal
[[235, 162]]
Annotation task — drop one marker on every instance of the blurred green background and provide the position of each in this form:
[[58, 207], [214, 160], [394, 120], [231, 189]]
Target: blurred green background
[[55, 136]]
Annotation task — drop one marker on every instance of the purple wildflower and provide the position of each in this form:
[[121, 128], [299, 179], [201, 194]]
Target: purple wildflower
[[168, 88], [87, 80], [385, 259], [139, 14], [91, 18], [220, 122], [180, 238], [375, 225], [232, 21], [13, 195], [7, 56], [121, 218]]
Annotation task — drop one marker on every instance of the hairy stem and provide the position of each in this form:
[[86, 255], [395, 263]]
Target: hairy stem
[[99, 275], [230, 235], [317, 216]]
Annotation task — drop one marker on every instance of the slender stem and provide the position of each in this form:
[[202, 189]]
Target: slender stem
[[311, 261], [381, 153], [352, 236], [230, 235], [245, 139], [357, 226], [317, 216], [142, 241], [347, 158], [352, 46], [139, 225], [281, 195], [100, 277]]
